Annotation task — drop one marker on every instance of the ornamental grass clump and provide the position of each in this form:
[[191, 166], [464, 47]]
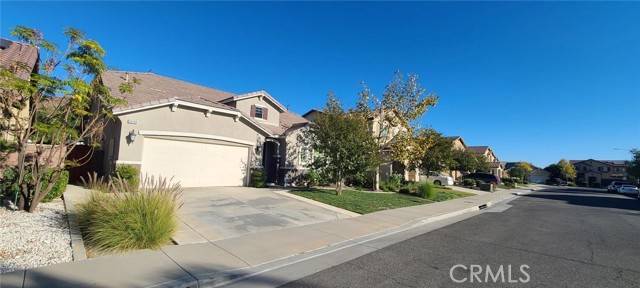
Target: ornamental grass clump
[[143, 218]]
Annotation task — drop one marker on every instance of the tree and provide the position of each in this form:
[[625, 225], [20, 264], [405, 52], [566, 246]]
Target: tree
[[567, 170], [438, 153], [634, 165], [563, 170], [393, 118], [521, 170], [66, 106], [343, 144], [468, 161]]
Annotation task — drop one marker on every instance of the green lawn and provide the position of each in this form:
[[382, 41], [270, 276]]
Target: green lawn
[[366, 202]]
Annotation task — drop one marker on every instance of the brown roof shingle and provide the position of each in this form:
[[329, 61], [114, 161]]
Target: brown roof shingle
[[17, 56], [155, 89]]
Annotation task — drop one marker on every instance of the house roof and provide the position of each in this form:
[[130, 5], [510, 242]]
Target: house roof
[[478, 149], [609, 162], [155, 90], [260, 93], [14, 53]]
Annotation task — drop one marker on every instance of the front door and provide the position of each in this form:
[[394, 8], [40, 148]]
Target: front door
[[270, 159]]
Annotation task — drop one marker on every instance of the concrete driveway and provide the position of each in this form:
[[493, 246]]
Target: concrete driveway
[[215, 213]]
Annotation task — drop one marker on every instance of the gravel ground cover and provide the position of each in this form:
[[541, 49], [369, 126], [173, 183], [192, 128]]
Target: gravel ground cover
[[30, 240]]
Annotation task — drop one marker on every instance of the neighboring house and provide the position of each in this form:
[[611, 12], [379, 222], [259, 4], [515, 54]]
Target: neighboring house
[[201, 136], [495, 166], [384, 135], [539, 176], [599, 173], [22, 59], [457, 144]]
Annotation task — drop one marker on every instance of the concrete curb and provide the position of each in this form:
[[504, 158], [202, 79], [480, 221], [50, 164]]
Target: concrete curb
[[147, 268], [316, 203], [77, 244]]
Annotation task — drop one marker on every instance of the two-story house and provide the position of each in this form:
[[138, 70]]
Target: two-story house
[[495, 166], [198, 135], [599, 173]]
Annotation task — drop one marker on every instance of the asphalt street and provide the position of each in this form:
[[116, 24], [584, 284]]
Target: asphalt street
[[561, 237]]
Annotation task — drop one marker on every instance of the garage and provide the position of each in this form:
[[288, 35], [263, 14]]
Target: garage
[[195, 163]]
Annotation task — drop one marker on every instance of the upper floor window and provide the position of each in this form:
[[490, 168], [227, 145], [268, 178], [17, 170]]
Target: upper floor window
[[259, 112]]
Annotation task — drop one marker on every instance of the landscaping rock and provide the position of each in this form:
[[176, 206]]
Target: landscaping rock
[[30, 240]]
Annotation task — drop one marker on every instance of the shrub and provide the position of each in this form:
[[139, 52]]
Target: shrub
[[479, 183], [9, 188], [571, 184], [468, 182], [309, 179], [392, 184], [95, 182], [128, 173], [258, 179], [409, 188], [426, 190], [143, 219], [58, 188], [361, 180]]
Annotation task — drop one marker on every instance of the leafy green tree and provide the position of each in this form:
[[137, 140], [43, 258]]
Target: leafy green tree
[[567, 170], [468, 161], [66, 106], [521, 170], [393, 118], [438, 153], [563, 170], [343, 144]]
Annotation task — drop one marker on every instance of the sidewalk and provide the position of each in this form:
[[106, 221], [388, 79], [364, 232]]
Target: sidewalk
[[209, 263]]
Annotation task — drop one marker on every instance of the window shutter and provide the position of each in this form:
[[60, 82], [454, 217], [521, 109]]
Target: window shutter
[[265, 113], [253, 111]]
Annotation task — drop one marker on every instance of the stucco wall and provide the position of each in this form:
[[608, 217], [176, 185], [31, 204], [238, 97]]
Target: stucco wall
[[273, 116], [183, 119]]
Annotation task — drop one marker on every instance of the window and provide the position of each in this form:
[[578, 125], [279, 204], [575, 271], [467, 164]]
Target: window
[[259, 113]]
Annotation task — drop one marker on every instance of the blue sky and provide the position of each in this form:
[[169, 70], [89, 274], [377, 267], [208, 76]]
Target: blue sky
[[535, 81]]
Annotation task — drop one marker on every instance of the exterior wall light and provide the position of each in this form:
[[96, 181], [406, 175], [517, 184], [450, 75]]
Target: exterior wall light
[[132, 135]]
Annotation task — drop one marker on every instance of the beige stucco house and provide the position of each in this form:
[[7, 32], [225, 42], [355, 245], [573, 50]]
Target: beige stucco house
[[198, 135], [599, 173], [495, 166], [457, 144]]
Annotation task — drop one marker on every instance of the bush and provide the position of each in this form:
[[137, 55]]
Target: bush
[[258, 179], [9, 188], [392, 184], [58, 188], [571, 184], [128, 173], [409, 188], [426, 190], [361, 180], [468, 182], [95, 182], [478, 183], [143, 219]]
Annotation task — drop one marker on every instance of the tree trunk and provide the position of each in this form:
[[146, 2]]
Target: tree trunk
[[339, 187], [376, 180]]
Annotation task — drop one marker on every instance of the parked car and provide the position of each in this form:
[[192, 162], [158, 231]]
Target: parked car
[[613, 187], [557, 182], [437, 179], [628, 189], [484, 177]]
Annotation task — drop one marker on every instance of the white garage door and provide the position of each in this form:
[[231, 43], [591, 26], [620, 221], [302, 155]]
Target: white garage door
[[195, 164]]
